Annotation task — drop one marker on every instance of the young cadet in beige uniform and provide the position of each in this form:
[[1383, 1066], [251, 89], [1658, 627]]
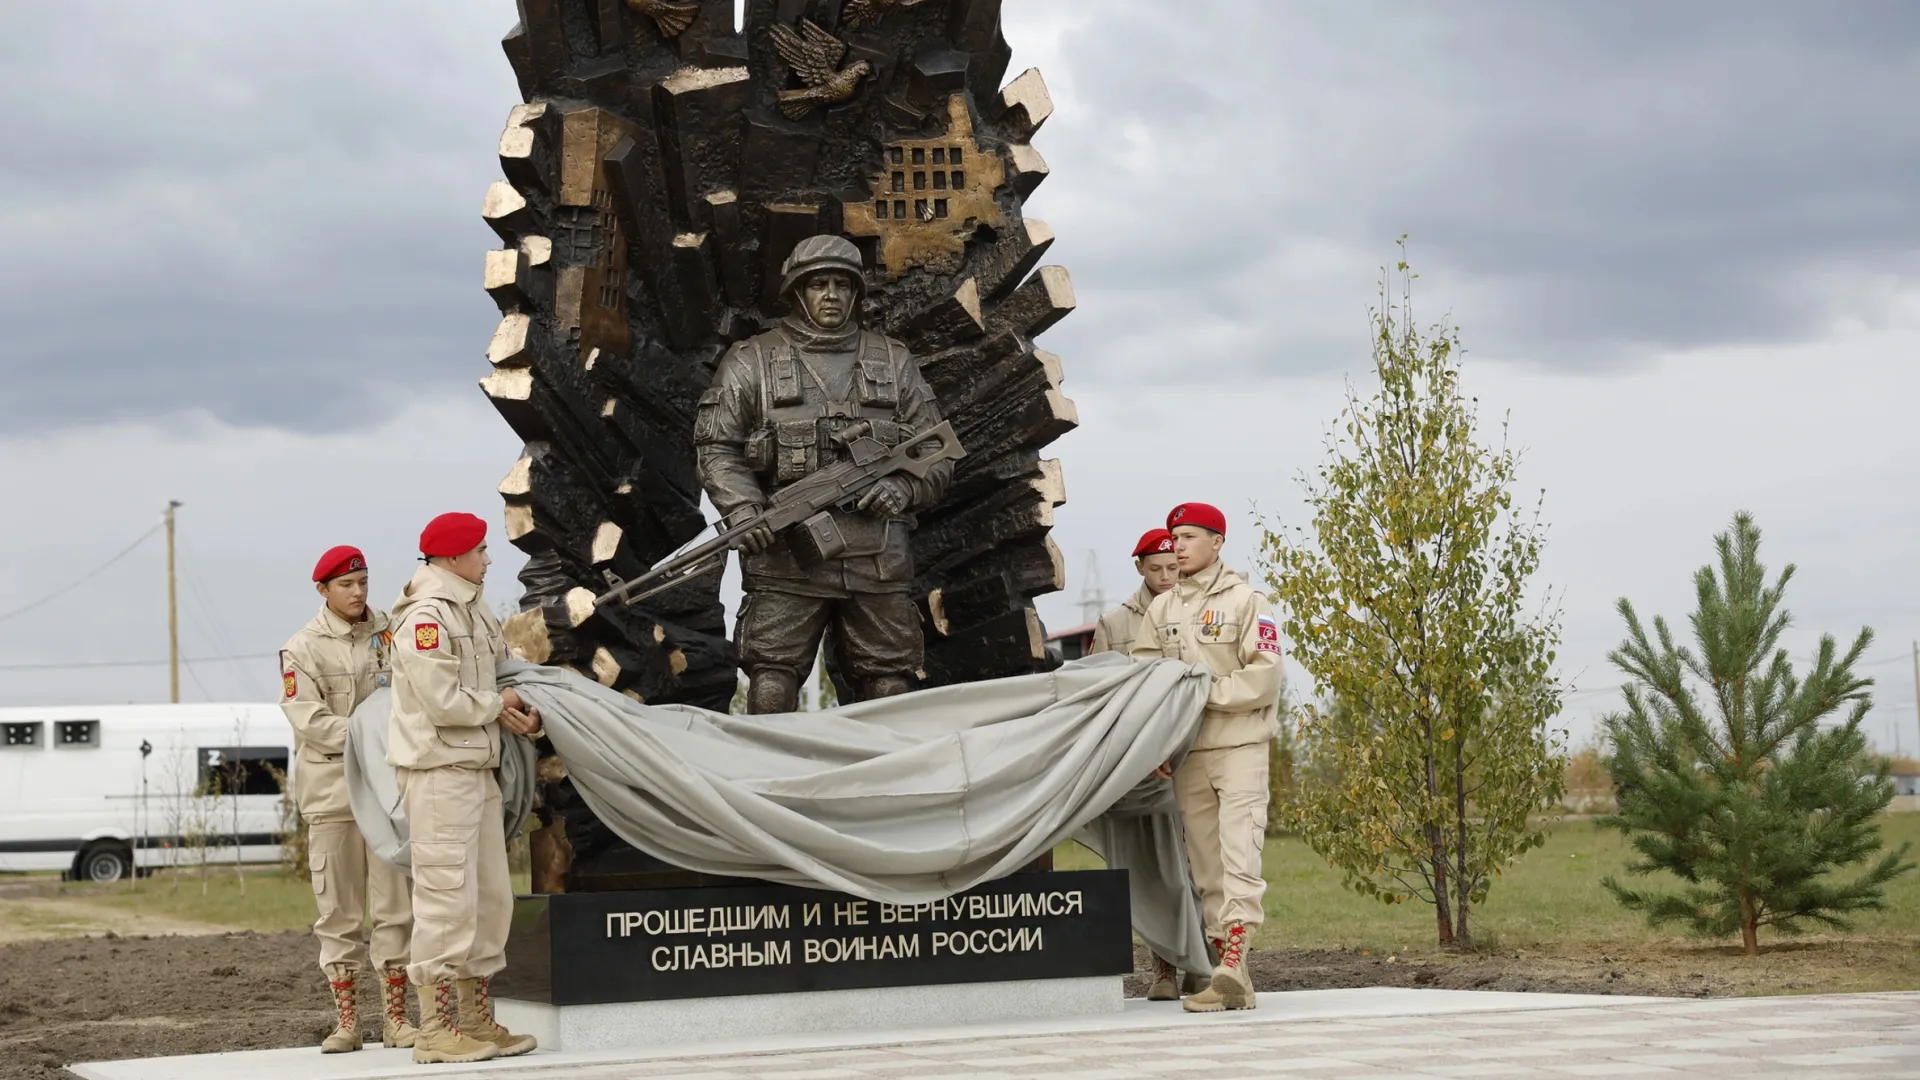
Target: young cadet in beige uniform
[[444, 743], [1153, 558], [1213, 616], [327, 669]]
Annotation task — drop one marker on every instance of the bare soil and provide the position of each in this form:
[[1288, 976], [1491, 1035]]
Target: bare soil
[[112, 996], [1337, 969], [1656, 968]]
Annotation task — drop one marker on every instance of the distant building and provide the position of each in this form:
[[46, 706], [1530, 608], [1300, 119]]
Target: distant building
[[1906, 783], [1073, 643]]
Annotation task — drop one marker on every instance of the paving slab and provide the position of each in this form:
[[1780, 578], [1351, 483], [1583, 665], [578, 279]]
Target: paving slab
[[1323, 1035]]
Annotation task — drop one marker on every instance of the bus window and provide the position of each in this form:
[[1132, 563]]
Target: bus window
[[241, 770]]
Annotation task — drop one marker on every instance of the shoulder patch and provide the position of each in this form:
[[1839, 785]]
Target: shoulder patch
[[1269, 635], [426, 636], [291, 682]]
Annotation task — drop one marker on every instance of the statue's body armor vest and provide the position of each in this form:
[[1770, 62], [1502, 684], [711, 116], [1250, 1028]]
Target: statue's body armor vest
[[803, 429]]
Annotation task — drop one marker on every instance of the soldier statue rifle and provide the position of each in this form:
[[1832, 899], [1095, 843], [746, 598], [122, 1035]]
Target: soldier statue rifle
[[805, 504]]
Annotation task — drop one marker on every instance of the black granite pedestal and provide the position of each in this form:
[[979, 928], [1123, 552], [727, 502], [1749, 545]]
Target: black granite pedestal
[[642, 968]]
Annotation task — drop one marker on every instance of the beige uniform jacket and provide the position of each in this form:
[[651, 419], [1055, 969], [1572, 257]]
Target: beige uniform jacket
[[1117, 628], [446, 707], [1215, 618], [326, 671]]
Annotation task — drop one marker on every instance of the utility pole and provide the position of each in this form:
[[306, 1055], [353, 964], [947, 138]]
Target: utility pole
[[173, 613], [1916, 688]]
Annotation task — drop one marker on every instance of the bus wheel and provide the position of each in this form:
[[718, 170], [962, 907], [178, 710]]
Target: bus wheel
[[104, 862]]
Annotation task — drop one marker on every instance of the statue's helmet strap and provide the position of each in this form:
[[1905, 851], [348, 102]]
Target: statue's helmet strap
[[821, 253]]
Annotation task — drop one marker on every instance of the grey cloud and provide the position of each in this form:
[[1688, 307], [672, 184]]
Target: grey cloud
[[237, 206], [1583, 182], [269, 213]]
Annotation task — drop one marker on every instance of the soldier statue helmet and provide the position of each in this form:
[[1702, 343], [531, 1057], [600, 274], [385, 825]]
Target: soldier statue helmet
[[784, 404], [818, 253]]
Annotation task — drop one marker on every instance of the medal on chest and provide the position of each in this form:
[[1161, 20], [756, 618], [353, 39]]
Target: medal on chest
[[382, 645], [1211, 623]]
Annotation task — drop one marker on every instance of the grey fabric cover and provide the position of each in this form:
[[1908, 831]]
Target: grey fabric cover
[[902, 800], [374, 793]]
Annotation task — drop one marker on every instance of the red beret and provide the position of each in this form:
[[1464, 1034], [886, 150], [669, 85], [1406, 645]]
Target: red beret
[[344, 559], [1207, 517], [452, 534], [1153, 542]]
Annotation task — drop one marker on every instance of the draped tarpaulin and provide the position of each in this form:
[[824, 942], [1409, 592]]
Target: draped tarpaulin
[[374, 793], [902, 800]]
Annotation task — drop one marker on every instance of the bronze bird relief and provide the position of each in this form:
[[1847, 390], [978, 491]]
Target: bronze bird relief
[[864, 13], [672, 19], [814, 56]]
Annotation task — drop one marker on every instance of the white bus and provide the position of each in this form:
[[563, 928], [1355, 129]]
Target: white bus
[[102, 792]]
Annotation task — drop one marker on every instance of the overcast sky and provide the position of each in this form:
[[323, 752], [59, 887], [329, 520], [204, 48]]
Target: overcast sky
[[1681, 242]]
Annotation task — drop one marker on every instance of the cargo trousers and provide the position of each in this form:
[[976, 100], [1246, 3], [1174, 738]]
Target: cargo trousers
[[350, 884], [462, 893], [1223, 807]]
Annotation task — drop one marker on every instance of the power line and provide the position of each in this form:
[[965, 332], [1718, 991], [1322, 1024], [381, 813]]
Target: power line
[[1593, 690], [195, 676], [1862, 663], [218, 636], [89, 576], [133, 663]]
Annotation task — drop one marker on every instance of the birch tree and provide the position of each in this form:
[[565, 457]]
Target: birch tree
[[1407, 601]]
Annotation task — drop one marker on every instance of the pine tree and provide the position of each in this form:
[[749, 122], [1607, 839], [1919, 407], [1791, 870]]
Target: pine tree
[[1727, 778]]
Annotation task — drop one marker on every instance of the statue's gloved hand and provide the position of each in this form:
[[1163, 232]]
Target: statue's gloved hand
[[757, 540], [888, 497]]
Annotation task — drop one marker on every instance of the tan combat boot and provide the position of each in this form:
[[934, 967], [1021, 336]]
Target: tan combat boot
[[394, 1028], [476, 1019], [1162, 988], [346, 1031], [440, 1039], [1192, 982], [1231, 987]]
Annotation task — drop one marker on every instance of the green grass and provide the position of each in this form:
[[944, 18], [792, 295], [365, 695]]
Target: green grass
[[1552, 895], [273, 901]]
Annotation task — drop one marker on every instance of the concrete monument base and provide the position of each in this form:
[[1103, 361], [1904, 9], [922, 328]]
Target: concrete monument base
[[649, 1025]]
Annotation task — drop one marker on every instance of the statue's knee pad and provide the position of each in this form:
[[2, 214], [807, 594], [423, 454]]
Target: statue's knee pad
[[772, 690], [885, 686]]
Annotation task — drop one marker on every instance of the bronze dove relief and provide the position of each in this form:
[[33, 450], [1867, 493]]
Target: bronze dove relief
[[863, 13], [814, 55], [672, 19]]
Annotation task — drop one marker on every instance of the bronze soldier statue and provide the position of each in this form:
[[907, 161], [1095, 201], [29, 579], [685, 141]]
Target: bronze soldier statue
[[785, 403]]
